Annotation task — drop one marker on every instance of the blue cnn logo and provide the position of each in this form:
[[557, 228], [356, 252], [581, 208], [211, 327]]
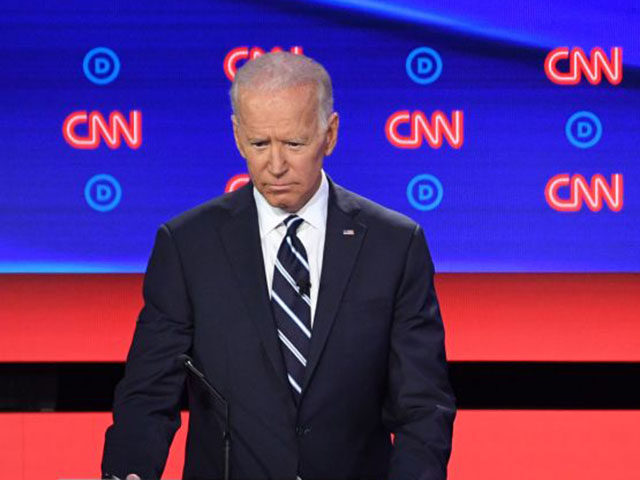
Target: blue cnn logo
[[101, 65], [583, 129], [424, 192], [423, 65]]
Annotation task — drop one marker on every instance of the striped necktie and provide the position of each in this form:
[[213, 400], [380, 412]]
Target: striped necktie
[[292, 305]]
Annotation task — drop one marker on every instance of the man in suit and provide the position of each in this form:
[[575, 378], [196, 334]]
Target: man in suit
[[312, 310]]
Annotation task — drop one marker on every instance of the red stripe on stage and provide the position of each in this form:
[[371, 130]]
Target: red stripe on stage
[[541, 317], [54, 446], [68, 318], [544, 445], [488, 317], [488, 445]]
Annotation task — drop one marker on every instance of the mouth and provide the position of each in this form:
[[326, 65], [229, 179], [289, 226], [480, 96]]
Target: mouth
[[280, 187]]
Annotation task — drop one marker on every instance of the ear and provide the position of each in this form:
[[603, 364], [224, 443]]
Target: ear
[[332, 133], [236, 135]]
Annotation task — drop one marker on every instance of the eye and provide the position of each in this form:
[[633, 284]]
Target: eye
[[259, 144], [295, 145]]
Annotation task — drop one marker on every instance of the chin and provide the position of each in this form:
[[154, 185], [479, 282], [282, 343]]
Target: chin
[[274, 201], [287, 207]]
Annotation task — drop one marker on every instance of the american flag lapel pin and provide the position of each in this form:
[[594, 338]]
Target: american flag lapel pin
[[348, 232]]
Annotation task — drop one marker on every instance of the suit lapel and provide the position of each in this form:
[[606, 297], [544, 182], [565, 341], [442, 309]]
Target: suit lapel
[[241, 240], [339, 258]]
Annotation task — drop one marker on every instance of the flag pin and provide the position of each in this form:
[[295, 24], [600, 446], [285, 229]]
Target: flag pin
[[348, 232]]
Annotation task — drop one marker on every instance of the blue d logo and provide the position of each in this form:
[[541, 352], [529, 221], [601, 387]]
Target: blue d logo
[[425, 192], [423, 65], [101, 65], [103, 192], [583, 129]]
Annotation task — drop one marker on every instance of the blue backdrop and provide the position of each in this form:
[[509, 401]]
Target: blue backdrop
[[492, 215]]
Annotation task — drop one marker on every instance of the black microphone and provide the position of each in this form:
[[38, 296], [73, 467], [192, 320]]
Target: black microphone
[[187, 362], [304, 286]]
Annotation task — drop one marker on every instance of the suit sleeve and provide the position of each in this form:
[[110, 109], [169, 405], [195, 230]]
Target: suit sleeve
[[146, 405], [420, 405]]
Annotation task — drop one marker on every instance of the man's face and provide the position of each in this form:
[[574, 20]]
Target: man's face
[[279, 135]]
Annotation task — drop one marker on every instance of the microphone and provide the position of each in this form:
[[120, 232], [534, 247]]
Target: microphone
[[187, 362], [304, 286]]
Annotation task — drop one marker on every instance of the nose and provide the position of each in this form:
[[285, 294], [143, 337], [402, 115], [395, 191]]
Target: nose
[[277, 161]]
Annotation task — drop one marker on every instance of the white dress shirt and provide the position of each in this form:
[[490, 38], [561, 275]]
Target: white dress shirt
[[311, 233]]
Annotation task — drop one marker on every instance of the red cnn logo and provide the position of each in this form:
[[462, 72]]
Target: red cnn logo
[[245, 53], [433, 132], [579, 64], [237, 181], [111, 132], [594, 194]]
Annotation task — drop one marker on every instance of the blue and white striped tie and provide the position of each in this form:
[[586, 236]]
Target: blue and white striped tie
[[292, 305]]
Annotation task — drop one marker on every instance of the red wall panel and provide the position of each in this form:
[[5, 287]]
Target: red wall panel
[[546, 445], [59, 318], [501, 317], [53, 446], [488, 445], [541, 317]]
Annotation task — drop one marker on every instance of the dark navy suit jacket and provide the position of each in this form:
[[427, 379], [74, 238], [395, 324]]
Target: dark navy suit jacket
[[376, 363]]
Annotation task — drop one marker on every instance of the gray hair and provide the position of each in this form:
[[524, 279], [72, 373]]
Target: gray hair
[[275, 71]]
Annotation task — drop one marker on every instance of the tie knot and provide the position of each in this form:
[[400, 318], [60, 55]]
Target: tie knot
[[292, 222]]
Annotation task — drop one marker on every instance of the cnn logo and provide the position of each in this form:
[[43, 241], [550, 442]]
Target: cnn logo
[[594, 194], [436, 129], [593, 67], [230, 64], [111, 131], [236, 182]]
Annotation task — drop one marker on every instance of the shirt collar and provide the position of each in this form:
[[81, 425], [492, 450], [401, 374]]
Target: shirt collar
[[314, 212]]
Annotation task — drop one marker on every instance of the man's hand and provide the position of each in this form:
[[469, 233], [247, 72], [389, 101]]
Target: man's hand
[[132, 476]]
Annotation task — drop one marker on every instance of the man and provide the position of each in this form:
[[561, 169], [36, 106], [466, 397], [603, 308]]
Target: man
[[309, 308]]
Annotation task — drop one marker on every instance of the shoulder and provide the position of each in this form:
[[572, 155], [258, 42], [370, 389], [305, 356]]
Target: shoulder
[[212, 213], [373, 214]]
